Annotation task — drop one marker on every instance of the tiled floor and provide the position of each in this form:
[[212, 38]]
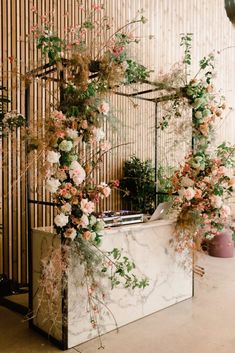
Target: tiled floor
[[204, 324]]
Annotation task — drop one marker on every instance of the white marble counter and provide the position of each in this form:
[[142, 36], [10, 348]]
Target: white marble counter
[[148, 245]]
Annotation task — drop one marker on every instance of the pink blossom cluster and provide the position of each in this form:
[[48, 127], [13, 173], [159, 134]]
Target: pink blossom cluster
[[203, 186], [66, 180]]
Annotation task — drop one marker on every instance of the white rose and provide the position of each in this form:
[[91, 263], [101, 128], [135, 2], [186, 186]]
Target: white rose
[[66, 208], [216, 201], [76, 172], [73, 134], [61, 220], [52, 185], [198, 115], [189, 193], [53, 157], [99, 134], [87, 206], [66, 145], [70, 233]]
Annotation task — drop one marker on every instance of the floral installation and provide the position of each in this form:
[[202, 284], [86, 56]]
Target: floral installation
[[204, 183], [9, 120], [75, 147], [205, 180]]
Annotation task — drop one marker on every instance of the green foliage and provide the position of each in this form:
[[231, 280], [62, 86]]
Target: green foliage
[[164, 183], [3, 101], [122, 273], [186, 41], [207, 63], [50, 44], [138, 185], [135, 72], [227, 153]]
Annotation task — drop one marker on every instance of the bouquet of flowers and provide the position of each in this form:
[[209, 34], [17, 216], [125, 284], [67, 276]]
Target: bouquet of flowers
[[203, 184]]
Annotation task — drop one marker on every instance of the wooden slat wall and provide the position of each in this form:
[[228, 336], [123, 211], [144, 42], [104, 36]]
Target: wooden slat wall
[[166, 20]]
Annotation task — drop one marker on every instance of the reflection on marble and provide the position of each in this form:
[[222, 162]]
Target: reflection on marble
[[148, 245]]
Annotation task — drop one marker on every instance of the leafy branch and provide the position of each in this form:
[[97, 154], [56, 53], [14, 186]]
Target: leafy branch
[[123, 268]]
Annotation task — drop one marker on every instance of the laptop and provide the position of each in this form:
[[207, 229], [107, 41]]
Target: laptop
[[161, 211]]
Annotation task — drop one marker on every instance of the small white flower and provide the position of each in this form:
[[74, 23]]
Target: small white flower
[[216, 201], [99, 134], [53, 157], [52, 185], [66, 145], [66, 208], [61, 220], [198, 114], [73, 134]]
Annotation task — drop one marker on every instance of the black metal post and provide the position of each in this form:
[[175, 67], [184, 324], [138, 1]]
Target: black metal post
[[156, 159], [28, 211]]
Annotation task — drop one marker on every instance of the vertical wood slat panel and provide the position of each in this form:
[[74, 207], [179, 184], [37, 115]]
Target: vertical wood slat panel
[[167, 20]]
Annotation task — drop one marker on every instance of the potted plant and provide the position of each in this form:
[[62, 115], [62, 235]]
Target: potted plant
[[138, 185]]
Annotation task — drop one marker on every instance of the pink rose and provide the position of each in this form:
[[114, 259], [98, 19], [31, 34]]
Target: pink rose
[[198, 193], [58, 115], [77, 173], [115, 183], [104, 108], [225, 211], [216, 201], [84, 221], [189, 193], [86, 235], [87, 207]]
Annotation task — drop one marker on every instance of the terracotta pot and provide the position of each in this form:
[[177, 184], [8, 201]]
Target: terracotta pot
[[221, 245]]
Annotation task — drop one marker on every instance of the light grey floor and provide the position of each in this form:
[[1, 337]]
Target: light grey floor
[[204, 324]]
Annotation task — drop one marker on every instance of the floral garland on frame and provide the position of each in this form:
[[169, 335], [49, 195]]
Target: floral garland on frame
[[205, 180], [75, 146]]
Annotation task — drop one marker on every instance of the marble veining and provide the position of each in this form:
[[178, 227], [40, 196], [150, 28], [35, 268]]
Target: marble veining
[[148, 246]]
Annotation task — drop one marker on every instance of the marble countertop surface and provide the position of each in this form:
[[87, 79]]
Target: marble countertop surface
[[129, 227]]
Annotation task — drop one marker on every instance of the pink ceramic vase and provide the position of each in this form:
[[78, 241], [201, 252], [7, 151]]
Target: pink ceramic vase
[[222, 245]]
